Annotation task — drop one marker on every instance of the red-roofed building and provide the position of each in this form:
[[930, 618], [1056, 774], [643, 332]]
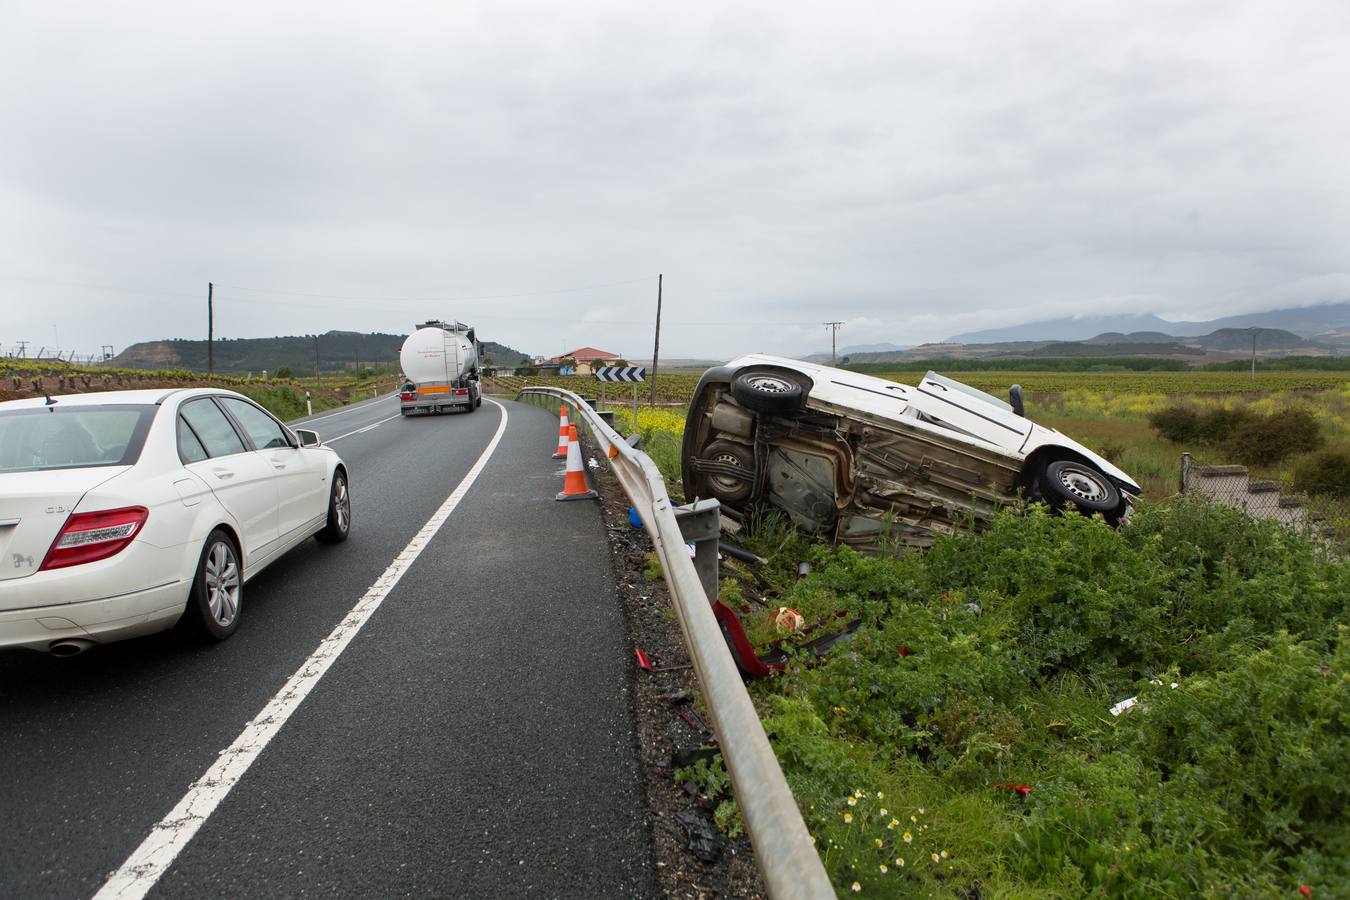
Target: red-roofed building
[[588, 359]]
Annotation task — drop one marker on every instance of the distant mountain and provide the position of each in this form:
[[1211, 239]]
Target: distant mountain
[[1302, 321], [855, 349], [1241, 339], [336, 351]]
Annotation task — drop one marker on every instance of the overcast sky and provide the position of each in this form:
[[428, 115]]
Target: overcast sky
[[915, 170]]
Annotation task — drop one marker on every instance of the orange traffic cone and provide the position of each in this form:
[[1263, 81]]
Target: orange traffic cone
[[574, 485], [562, 432]]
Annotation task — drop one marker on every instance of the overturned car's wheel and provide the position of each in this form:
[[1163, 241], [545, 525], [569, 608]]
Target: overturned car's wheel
[[1066, 481], [729, 455], [768, 392]]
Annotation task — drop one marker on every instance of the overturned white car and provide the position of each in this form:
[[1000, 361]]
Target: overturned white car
[[866, 461]]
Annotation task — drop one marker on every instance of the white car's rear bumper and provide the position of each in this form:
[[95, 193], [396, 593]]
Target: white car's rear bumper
[[108, 619]]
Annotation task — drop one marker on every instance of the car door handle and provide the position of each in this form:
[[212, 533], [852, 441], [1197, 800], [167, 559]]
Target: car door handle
[[222, 474], [278, 465]]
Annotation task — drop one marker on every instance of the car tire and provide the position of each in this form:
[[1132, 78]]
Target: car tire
[[1068, 481], [728, 488], [339, 525], [215, 602], [768, 392]]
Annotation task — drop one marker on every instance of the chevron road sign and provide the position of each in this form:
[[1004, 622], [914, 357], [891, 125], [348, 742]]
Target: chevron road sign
[[621, 373]]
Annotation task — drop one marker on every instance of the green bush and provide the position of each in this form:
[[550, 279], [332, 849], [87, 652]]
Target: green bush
[[1325, 473], [283, 372], [1178, 424], [1270, 439], [987, 664], [1218, 425]]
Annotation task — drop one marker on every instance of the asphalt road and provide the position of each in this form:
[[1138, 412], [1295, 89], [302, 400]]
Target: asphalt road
[[474, 739]]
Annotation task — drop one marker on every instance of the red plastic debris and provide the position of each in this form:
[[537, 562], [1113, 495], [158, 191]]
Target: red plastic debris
[[1022, 789], [904, 651], [643, 661], [1305, 890]]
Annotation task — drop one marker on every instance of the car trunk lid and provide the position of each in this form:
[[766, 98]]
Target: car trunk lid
[[34, 506]]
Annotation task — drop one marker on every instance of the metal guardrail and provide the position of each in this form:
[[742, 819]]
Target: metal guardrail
[[787, 858]]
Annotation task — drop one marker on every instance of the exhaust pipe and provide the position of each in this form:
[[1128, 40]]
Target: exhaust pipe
[[70, 647]]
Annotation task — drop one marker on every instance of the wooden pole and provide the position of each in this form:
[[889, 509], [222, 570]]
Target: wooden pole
[[210, 329], [656, 348]]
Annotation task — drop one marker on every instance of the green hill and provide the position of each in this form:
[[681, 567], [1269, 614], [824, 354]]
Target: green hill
[[336, 351]]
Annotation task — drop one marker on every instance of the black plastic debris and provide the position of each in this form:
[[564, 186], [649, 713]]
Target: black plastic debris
[[704, 841]]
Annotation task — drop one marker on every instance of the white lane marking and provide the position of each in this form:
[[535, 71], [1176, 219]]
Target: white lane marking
[[355, 407], [359, 430], [134, 879]]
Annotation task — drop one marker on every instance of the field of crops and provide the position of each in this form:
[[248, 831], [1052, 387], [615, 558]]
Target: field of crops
[[285, 398], [679, 386]]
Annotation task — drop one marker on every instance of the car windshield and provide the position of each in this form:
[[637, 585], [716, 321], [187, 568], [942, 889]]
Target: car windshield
[[52, 437], [968, 390]]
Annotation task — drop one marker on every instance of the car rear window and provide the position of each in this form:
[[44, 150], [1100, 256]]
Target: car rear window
[[72, 437]]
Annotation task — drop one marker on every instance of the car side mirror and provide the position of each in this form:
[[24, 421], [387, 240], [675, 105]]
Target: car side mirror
[[1015, 400], [308, 438]]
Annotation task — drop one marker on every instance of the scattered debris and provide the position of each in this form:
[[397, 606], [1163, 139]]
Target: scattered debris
[[705, 841]]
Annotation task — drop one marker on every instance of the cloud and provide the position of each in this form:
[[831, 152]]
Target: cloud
[[913, 171]]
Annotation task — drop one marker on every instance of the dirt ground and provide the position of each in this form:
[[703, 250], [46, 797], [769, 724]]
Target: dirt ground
[[668, 721]]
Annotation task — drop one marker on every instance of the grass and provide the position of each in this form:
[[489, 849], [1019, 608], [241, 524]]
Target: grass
[[963, 742]]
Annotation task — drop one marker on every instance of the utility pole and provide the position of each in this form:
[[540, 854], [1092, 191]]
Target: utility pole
[[1254, 331], [210, 329], [316, 359], [834, 330], [23, 349], [656, 348]]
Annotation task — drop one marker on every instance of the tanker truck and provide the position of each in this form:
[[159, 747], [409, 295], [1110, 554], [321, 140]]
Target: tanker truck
[[440, 369]]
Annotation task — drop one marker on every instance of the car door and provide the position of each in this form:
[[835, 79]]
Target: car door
[[244, 482], [953, 406], [302, 486]]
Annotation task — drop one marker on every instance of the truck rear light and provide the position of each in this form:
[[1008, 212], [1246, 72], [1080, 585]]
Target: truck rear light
[[460, 392], [91, 536], [408, 395]]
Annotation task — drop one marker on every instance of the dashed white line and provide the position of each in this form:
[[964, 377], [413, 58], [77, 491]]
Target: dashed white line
[[134, 879], [359, 430]]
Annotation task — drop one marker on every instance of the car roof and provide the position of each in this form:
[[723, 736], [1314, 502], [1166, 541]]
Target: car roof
[[147, 396]]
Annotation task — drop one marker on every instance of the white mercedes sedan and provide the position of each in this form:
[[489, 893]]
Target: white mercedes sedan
[[123, 513]]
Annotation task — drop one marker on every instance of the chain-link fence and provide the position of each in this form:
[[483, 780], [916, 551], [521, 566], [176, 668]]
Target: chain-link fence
[[1315, 510]]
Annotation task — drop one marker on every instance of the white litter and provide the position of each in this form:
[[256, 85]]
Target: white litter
[[1132, 702]]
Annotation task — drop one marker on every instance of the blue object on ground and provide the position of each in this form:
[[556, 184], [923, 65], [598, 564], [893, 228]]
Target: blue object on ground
[[633, 518]]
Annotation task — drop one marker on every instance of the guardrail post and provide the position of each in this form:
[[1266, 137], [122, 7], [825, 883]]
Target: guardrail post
[[701, 522]]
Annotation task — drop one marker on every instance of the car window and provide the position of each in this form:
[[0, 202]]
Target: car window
[[190, 449], [265, 431], [72, 436], [217, 435]]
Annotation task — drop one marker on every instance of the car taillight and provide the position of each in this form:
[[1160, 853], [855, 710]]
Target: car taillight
[[91, 536], [407, 395]]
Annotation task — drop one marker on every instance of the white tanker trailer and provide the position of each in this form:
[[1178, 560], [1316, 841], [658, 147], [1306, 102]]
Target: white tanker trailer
[[440, 368]]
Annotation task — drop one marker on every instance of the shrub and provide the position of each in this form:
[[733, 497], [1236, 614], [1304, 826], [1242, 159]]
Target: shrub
[[1327, 473], [1218, 425], [1178, 424], [1267, 440], [283, 372]]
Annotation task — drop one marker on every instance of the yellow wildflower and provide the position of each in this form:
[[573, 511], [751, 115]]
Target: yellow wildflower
[[852, 801], [908, 837], [884, 811], [914, 818], [848, 818], [935, 857], [884, 870], [878, 842], [880, 795], [900, 861], [856, 887], [891, 825], [944, 854]]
